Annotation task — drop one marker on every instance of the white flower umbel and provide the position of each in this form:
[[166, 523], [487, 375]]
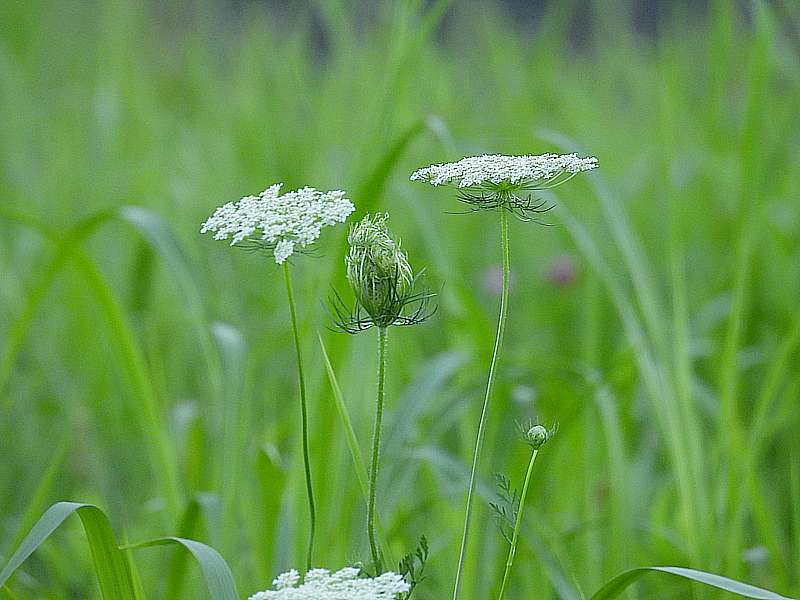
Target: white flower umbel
[[345, 584], [279, 222], [493, 171]]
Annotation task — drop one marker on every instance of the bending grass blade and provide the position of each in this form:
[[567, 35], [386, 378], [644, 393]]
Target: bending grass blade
[[110, 563], [620, 583], [43, 491], [64, 250], [352, 445], [161, 238], [501, 322], [161, 453], [216, 572]]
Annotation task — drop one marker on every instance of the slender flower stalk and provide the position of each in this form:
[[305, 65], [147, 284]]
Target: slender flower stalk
[[512, 551], [535, 437], [284, 224], [376, 445], [312, 513], [498, 342], [502, 183]]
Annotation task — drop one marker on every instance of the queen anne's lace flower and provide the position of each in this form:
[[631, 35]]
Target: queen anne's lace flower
[[476, 171], [279, 222], [345, 584]]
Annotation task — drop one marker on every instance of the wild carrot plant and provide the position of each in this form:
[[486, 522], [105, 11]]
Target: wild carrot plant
[[504, 184], [284, 224]]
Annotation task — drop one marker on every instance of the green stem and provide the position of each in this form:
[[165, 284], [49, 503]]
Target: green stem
[[376, 446], [517, 526], [304, 412], [501, 323]]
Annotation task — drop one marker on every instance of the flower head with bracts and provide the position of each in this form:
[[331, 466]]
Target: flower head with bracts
[[382, 281], [497, 181]]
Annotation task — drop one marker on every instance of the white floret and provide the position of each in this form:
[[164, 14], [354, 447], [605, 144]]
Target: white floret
[[474, 171], [345, 584], [281, 221]]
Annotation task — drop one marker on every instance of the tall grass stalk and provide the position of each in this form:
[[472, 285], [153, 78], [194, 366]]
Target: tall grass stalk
[[498, 341], [312, 513]]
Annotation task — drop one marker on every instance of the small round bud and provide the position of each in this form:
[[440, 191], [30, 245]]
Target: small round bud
[[537, 436]]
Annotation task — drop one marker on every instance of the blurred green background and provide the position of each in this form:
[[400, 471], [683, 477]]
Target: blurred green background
[[149, 369]]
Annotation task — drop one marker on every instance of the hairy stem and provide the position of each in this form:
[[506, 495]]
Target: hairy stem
[[512, 551], [304, 412], [376, 446], [501, 323]]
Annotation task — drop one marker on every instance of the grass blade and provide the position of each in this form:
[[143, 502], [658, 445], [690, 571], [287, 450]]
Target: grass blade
[[131, 357], [216, 572], [620, 583], [110, 564]]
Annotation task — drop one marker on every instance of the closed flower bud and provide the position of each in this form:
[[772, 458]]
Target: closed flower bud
[[381, 278], [538, 435], [377, 269]]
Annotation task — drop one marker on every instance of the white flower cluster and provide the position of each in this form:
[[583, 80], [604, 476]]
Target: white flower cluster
[[499, 168], [345, 584], [294, 218]]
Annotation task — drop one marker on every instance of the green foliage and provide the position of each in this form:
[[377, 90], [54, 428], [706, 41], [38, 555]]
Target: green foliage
[[147, 369], [621, 582], [111, 565]]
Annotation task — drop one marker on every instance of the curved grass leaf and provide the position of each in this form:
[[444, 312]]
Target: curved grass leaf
[[64, 250], [162, 455], [217, 574], [43, 490], [620, 583], [110, 564], [163, 241]]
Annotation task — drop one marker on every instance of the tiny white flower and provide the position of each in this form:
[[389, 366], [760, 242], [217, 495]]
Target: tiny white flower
[[345, 584], [523, 172], [279, 222], [286, 580]]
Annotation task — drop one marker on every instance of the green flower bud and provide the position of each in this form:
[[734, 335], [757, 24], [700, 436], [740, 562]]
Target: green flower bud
[[538, 435], [378, 270]]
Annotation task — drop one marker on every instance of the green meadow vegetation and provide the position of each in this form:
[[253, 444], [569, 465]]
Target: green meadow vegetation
[[148, 372]]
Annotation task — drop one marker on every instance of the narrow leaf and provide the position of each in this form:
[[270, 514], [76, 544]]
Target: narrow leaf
[[620, 583], [216, 572], [109, 562]]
